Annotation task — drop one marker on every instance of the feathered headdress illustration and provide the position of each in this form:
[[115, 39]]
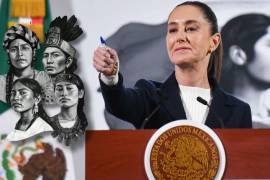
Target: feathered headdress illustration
[[61, 32]]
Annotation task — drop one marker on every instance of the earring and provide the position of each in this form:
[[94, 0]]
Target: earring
[[35, 108], [68, 62], [209, 51]]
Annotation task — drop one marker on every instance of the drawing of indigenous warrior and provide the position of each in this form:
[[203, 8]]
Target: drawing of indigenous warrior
[[59, 55]]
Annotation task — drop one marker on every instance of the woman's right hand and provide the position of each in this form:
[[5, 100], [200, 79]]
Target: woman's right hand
[[105, 61]]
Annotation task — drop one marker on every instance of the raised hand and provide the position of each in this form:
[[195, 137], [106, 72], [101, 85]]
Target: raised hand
[[105, 60]]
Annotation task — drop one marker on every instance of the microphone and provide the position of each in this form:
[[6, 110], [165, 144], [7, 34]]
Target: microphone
[[161, 98], [149, 116], [204, 102]]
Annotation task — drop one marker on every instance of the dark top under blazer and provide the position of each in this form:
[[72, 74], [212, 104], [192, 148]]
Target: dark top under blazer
[[135, 104]]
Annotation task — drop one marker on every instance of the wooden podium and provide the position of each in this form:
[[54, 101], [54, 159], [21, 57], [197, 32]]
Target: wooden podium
[[120, 154]]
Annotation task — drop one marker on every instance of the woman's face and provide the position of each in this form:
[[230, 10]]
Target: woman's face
[[54, 61], [20, 54], [22, 98], [188, 37], [67, 94], [259, 67]]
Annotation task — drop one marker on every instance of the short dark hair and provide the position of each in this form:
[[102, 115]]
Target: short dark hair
[[244, 31]]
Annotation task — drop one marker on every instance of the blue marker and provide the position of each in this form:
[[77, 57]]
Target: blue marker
[[103, 42]]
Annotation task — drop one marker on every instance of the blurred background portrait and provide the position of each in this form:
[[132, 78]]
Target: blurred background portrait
[[246, 43]]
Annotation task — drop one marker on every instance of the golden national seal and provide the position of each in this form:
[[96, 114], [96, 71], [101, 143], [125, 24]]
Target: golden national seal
[[184, 152]]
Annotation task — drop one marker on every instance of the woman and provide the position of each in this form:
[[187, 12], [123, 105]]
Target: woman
[[194, 47], [25, 98], [59, 54], [21, 44], [246, 59], [71, 122]]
